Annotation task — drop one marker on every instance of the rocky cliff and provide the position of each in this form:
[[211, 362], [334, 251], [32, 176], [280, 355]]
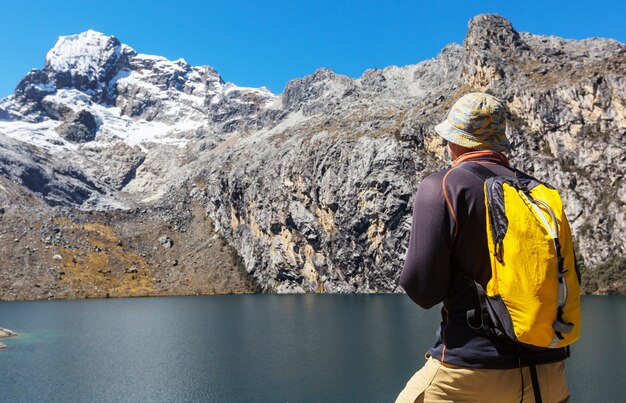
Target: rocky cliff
[[312, 188]]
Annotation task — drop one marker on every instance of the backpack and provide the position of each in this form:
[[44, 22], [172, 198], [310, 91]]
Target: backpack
[[533, 296]]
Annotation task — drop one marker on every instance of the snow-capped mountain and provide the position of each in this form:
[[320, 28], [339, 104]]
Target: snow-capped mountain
[[96, 94], [132, 97]]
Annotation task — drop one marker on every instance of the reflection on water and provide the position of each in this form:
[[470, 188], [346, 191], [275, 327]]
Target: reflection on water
[[266, 348]]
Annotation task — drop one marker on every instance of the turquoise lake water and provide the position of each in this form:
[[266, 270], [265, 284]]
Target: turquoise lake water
[[255, 348]]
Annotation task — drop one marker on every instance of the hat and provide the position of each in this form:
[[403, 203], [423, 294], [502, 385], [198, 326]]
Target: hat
[[477, 121]]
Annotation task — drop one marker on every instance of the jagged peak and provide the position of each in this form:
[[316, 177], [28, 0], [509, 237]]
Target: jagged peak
[[85, 51], [488, 20], [322, 74], [318, 77], [493, 32]]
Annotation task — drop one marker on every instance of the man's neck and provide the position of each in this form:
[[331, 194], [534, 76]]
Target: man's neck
[[473, 155]]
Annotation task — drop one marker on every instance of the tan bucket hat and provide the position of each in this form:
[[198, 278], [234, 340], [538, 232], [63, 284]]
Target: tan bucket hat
[[477, 121]]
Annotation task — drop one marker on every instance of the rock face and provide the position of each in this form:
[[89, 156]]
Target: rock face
[[313, 188], [26, 168], [80, 129]]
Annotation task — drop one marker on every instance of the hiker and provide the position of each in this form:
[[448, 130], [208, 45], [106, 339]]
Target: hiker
[[449, 236]]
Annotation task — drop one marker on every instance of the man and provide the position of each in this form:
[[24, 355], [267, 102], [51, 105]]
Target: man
[[448, 236]]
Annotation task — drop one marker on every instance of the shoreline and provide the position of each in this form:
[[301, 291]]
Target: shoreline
[[157, 295], [121, 295]]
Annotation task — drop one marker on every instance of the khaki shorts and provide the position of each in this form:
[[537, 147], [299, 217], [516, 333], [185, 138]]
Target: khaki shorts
[[437, 382]]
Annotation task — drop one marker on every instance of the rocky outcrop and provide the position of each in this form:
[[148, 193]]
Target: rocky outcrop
[[81, 128], [318, 213], [312, 188], [5, 333], [493, 53], [55, 179]]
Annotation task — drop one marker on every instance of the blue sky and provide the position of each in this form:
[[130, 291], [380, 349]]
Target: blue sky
[[267, 43]]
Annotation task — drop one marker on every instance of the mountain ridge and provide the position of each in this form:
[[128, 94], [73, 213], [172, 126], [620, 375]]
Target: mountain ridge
[[313, 187]]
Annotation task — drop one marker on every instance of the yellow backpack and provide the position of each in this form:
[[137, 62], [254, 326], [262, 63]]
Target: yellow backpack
[[533, 297]]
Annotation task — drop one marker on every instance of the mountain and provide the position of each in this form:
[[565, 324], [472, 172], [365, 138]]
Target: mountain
[[135, 175]]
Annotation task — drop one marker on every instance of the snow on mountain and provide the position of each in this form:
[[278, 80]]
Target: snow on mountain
[[89, 54], [133, 97], [113, 125]]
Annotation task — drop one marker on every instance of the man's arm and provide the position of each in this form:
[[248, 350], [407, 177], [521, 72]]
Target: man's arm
[[426, 274]]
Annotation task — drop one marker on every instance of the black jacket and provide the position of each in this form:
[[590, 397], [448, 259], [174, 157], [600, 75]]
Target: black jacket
[[449, 235]]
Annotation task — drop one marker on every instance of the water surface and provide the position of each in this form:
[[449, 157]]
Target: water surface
[[254, 348]]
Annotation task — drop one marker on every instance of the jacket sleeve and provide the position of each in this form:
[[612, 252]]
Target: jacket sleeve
[[426, 275]]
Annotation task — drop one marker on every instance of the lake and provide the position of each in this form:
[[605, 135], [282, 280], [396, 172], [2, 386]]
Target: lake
[[255, 348]]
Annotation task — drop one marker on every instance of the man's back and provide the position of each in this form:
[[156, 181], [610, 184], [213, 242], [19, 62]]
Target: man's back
[[449, 237]]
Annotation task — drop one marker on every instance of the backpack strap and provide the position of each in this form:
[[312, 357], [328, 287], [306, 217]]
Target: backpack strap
[[482, 309], [481, 312], [535, 382]]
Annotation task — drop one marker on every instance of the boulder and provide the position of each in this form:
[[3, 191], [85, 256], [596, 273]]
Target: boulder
[[166, 241], [6, 333], [81, 128]]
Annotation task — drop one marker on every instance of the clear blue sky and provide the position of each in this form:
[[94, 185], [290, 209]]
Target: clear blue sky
[[256, 43]]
